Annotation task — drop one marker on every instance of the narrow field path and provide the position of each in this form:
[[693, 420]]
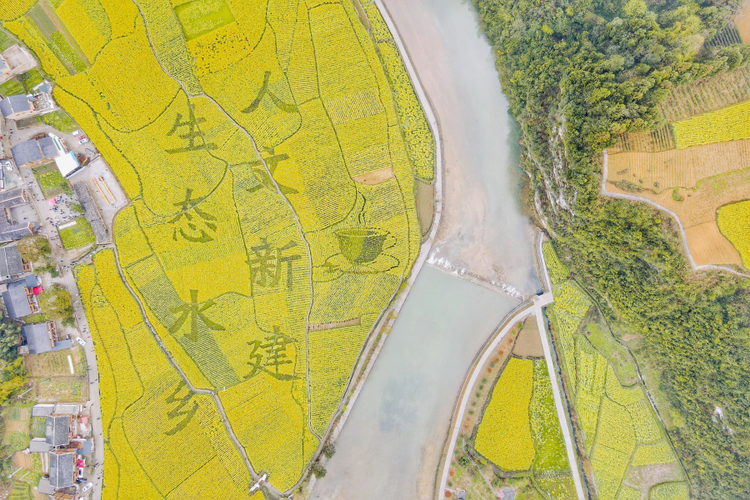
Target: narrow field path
[[190, 386]]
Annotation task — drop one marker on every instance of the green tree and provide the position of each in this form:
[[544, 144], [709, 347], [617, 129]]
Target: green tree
[[9, 334], [602, 71], [55, 303], [34, 248], [13, 380]]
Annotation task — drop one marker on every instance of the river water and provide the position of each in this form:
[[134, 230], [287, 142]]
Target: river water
[[390, 446]]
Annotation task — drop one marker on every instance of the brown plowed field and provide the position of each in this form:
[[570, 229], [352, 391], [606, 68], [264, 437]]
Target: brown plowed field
[[697, 212], [678, 167], [529, 343], [709, 246], [709, 94]]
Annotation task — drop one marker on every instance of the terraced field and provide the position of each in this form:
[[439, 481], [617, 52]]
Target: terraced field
[[270, 150], [696, 165], [621, 439]]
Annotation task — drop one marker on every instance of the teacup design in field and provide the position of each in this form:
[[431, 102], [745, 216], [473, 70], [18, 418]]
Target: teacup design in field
[[362, 244], [361, 251]]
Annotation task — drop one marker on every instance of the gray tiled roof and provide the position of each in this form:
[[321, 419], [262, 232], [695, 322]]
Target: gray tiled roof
[[15, 300], [26, 152], [61, 468], [91, 212], [37, 338], [5, 108], [39, 445], [42, 410], [14, 104], [44, 487], [10, 262], [12, 232], [47, 144], [13, 198], [87, 447], [57, 430], [33, 150], [32, 280]]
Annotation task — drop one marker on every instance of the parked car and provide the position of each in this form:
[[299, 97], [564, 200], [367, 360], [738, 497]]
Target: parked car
[[83, 141], [81, 136], [80, 471], [75, 132], [87, 487], [80, 341]]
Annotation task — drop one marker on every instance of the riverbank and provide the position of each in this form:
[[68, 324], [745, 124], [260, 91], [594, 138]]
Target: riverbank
[[391, 444], [384, 325], [477, 237]]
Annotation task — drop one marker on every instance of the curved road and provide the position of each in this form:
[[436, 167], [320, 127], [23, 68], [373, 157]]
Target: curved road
[[670, 213]]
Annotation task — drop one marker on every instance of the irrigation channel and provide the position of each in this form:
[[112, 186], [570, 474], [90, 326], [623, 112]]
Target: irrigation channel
[[391, 443]]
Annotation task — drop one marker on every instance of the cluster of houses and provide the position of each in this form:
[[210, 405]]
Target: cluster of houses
[[64, 448], [67, 444], [22, 287], [45, 149]]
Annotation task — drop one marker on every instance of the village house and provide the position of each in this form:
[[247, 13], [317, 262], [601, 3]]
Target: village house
[[42, 337], [14, 61], [11, 203], [12, 265], [20, 297], [36, 152], [18, 107], [62, 453]]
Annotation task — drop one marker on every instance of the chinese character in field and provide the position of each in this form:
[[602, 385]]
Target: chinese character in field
[[271, 355], [194, 310], [193, 233], [287, 108], [187, 414], [192, 134], [267, 264], [261, 174]]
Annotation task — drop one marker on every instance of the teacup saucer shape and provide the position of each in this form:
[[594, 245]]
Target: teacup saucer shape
[[360, 252]]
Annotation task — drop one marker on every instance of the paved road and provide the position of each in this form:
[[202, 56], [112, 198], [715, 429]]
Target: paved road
[[525, 311], [68, 280], [562, 410]]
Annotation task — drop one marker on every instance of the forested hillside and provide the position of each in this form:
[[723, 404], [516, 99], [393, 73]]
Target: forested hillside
[[577, 74]]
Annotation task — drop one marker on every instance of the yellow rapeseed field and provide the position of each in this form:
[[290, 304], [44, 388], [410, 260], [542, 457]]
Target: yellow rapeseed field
[[150, 417], [504, 434], [728, 124], [615, 420], [270, 155], [734, 223]]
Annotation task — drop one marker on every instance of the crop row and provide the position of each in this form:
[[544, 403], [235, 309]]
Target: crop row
[[223, 249], [155, 411], [669, 491], [727, 124], [558, 271], [649, 454]]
